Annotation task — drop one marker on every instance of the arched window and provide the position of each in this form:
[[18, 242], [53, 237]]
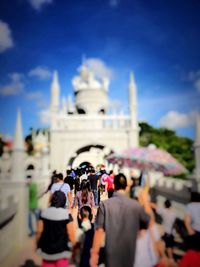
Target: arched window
[[102, 111], [30, 167], [81, 111]]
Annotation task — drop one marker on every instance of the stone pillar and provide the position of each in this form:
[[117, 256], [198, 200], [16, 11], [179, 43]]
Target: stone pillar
[[19, 183]]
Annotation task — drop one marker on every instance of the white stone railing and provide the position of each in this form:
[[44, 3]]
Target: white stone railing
[[159, 179], [12, 196], [96, 122], [14, 214]]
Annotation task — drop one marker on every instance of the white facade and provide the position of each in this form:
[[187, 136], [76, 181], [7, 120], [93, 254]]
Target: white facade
[[85, 129]]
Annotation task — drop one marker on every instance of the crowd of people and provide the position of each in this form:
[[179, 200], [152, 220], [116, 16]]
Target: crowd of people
[[95, 218]]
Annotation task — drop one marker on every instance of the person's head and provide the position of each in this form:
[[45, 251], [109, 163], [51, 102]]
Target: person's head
[[58, 199], [59, 176], [167, 203], [195, 197], [86, 213], [68, 172], [92, 171], [120, 182], [29, 179], [85, 185]]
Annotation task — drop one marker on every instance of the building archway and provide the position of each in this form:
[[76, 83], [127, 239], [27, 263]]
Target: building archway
[[93, 154]]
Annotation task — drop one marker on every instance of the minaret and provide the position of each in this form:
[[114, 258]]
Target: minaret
[[133, 102], [55, 92], [19, 181], [197, 150], [18, 153], [133, 140]]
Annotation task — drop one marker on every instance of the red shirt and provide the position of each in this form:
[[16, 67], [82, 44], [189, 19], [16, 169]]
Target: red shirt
[[190, 259], [109, 180]]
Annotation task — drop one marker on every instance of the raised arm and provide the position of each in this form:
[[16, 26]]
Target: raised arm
[[71, 232], [187, 221]]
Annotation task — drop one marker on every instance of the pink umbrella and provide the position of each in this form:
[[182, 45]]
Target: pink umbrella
[[148, 158]]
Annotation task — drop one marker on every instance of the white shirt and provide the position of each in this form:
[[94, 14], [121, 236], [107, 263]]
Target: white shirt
[[83, 177], [145, 254], [193, 209], [169, 217]]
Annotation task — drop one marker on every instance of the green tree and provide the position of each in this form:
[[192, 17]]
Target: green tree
[[179, 147]]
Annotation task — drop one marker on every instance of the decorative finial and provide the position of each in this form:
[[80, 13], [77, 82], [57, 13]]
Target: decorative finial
[[132, 80], [18, 138]]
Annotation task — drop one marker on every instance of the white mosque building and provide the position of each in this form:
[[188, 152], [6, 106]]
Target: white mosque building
[[86, 129]]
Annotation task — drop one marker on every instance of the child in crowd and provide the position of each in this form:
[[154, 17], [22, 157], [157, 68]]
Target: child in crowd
[[84, 238], [168, 217], [54, 233]]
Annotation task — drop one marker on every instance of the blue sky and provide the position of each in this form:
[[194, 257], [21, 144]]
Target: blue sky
[[158, 40]]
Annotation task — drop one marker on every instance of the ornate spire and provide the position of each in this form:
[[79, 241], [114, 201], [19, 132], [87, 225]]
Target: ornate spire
[[132, 80], [18, 138], [132, 101], [18, 153], [132, 91], [55, 92]]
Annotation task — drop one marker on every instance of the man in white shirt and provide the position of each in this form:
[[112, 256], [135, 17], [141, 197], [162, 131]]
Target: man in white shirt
[[64, 187], [83, 177], [168, 217]]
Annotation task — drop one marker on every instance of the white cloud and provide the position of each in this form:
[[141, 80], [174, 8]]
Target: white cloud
[[44, 117], [38, 97], [175, 120], [6, 40], [99, 67], [194, 77], [34, 95], [114, 3], [40, 72], [38, 4], [16, 85]]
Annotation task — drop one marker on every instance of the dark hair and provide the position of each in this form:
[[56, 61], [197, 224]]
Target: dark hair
[[59, 176], [167, 203], [195, 197], [68, 172], [86, 212], [120, 181], [85, 191], [58, 199], [53, 180]]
